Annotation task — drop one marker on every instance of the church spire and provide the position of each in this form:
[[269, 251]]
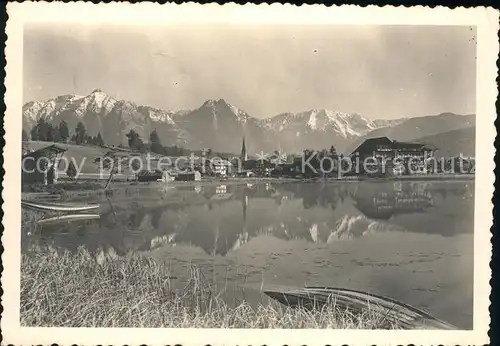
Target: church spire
[[244, 155]]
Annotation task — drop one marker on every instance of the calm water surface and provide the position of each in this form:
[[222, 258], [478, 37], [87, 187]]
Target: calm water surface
[[412, 241]]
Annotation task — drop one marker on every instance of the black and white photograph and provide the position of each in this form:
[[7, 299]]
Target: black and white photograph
[[251, 176]]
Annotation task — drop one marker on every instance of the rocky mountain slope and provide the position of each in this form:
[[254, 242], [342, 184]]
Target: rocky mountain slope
[[416, 128], [453, 143], [218, 125]]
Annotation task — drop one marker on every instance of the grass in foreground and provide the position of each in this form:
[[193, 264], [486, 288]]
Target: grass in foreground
[[81, 290]]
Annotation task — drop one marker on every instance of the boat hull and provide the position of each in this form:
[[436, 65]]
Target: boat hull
[[58, 207], [68, 218], [357, 302]]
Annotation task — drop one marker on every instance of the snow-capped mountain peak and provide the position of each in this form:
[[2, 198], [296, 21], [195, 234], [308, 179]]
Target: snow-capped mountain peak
[[312, 122], [346, 125], [221, 126], [34, 110], [217, 107], [158, 115], [209, 104], [241, 115], [98, 102]]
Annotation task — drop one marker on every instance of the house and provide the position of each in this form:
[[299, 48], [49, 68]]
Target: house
[[260, 167], [245, 173], [167, 176], [145, 175], [221, 167], [41, 166], [188, 176], [286, 170], [383, 147], [393, 157]]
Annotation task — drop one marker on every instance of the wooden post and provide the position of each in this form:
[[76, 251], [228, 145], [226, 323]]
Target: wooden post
[[109, 179], [56, 166], [111, 173]]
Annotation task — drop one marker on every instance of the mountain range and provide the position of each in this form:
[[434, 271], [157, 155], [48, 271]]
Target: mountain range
[[220, 126]]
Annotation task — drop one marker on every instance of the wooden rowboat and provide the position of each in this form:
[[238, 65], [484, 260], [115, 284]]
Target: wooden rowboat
[[403, 315], [58, 207]]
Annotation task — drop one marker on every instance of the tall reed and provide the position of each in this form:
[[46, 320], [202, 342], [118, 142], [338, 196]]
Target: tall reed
[[82, 290]]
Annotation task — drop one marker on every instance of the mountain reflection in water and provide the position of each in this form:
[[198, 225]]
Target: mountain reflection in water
[[222, 218]]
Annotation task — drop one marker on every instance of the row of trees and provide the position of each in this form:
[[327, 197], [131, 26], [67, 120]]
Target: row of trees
[[154, 145], [316, 162], [45, 131]]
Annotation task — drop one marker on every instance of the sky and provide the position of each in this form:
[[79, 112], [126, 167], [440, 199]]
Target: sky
[[380, 72]]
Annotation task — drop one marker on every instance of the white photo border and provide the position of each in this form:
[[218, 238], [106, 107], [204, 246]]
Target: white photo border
[[484, 19]]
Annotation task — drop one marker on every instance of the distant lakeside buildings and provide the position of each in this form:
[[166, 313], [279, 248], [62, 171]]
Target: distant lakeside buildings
[[388, 158]]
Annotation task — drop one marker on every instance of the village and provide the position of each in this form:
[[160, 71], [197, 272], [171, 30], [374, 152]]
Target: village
[[375, 158]]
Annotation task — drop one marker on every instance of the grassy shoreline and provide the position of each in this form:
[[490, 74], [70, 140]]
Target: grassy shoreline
[[83, 290]]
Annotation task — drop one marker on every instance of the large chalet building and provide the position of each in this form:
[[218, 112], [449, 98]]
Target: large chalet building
[[410, 156]]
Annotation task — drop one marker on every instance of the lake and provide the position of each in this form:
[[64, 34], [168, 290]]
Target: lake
[[411, 241]]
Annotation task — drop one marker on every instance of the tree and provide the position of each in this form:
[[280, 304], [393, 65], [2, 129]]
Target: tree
[[89, 139], [98, 140], [63, 131], [25, 136], [34, 134], [145, 147], [49, 133], [322, 153], [134, 164], [71, 171], [134, 140], [333, 151], [312, 157], [80, 133], [53, 134], [156, 146], [42, 131]]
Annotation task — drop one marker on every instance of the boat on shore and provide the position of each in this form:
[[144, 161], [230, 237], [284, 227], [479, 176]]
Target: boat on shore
[[357, 302], [58, 207]]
